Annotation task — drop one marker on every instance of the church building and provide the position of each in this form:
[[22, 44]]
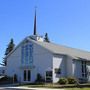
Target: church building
[[35, 55]]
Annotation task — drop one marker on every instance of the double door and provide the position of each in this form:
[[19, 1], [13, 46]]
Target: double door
[[27, 75]]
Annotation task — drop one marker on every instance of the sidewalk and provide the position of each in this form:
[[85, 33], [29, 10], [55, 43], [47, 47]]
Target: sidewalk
[[29, 88]]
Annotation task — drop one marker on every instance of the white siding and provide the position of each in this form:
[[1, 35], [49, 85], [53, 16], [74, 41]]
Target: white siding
[[69, 66], [59, 62], [77, 68], [42, 60], [13, 63], [88, 71], [74, 68]]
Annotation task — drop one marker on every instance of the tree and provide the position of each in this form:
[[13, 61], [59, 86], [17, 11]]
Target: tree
[[46, 39], [10, 47]]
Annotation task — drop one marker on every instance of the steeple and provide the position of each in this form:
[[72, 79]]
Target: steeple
[[35, 36], [35, 32]]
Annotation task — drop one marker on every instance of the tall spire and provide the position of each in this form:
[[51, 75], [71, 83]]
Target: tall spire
[[35, 32]]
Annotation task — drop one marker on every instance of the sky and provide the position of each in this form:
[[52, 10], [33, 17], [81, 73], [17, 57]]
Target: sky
[[67, 22]]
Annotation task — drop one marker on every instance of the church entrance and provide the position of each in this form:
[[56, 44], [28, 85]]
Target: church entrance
[[26, 75]]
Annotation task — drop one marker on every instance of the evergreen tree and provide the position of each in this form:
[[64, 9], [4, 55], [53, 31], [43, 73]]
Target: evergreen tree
[[46, 39], [8, 50], [4, 62], [10, 47]]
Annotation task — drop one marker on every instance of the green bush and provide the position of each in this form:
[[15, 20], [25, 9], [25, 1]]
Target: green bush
[[71, 80], [63, 81]]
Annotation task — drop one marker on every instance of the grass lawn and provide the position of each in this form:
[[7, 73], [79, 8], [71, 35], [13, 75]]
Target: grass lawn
[[56, 86], [77, 89], [50, 86]]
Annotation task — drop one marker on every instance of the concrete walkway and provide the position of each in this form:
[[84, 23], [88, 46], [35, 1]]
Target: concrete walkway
[[40, 88], [27, 88]]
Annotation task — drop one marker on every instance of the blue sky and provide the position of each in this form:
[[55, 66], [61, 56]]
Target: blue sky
[[66, 21]]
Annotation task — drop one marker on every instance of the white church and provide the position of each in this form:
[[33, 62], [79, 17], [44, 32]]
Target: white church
[[34, 55]]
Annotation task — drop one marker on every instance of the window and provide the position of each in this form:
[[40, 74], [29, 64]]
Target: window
[[84, 69], [48, 76], [57, 70], [24, 75], [27, 54], [49, 73], [27, 75]]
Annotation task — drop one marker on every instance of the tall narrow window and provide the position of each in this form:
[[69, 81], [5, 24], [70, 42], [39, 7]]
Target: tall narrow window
[[27, 54], [84, 69], [24, 75], [29, 75]]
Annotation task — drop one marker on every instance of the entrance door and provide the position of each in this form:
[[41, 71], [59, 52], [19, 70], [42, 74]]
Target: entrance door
[[27, 75], [48, 76]]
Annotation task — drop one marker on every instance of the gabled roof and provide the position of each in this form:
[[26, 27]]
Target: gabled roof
[[58, 49]]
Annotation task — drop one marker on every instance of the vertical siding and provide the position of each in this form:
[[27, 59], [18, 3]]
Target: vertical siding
[[42, 60], [77, 69], [88, 71], [13, 63], [59, 62], [73, 68], [69, 66]]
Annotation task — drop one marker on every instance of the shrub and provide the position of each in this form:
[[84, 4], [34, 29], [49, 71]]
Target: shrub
[[63, 81], [71, 80]]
